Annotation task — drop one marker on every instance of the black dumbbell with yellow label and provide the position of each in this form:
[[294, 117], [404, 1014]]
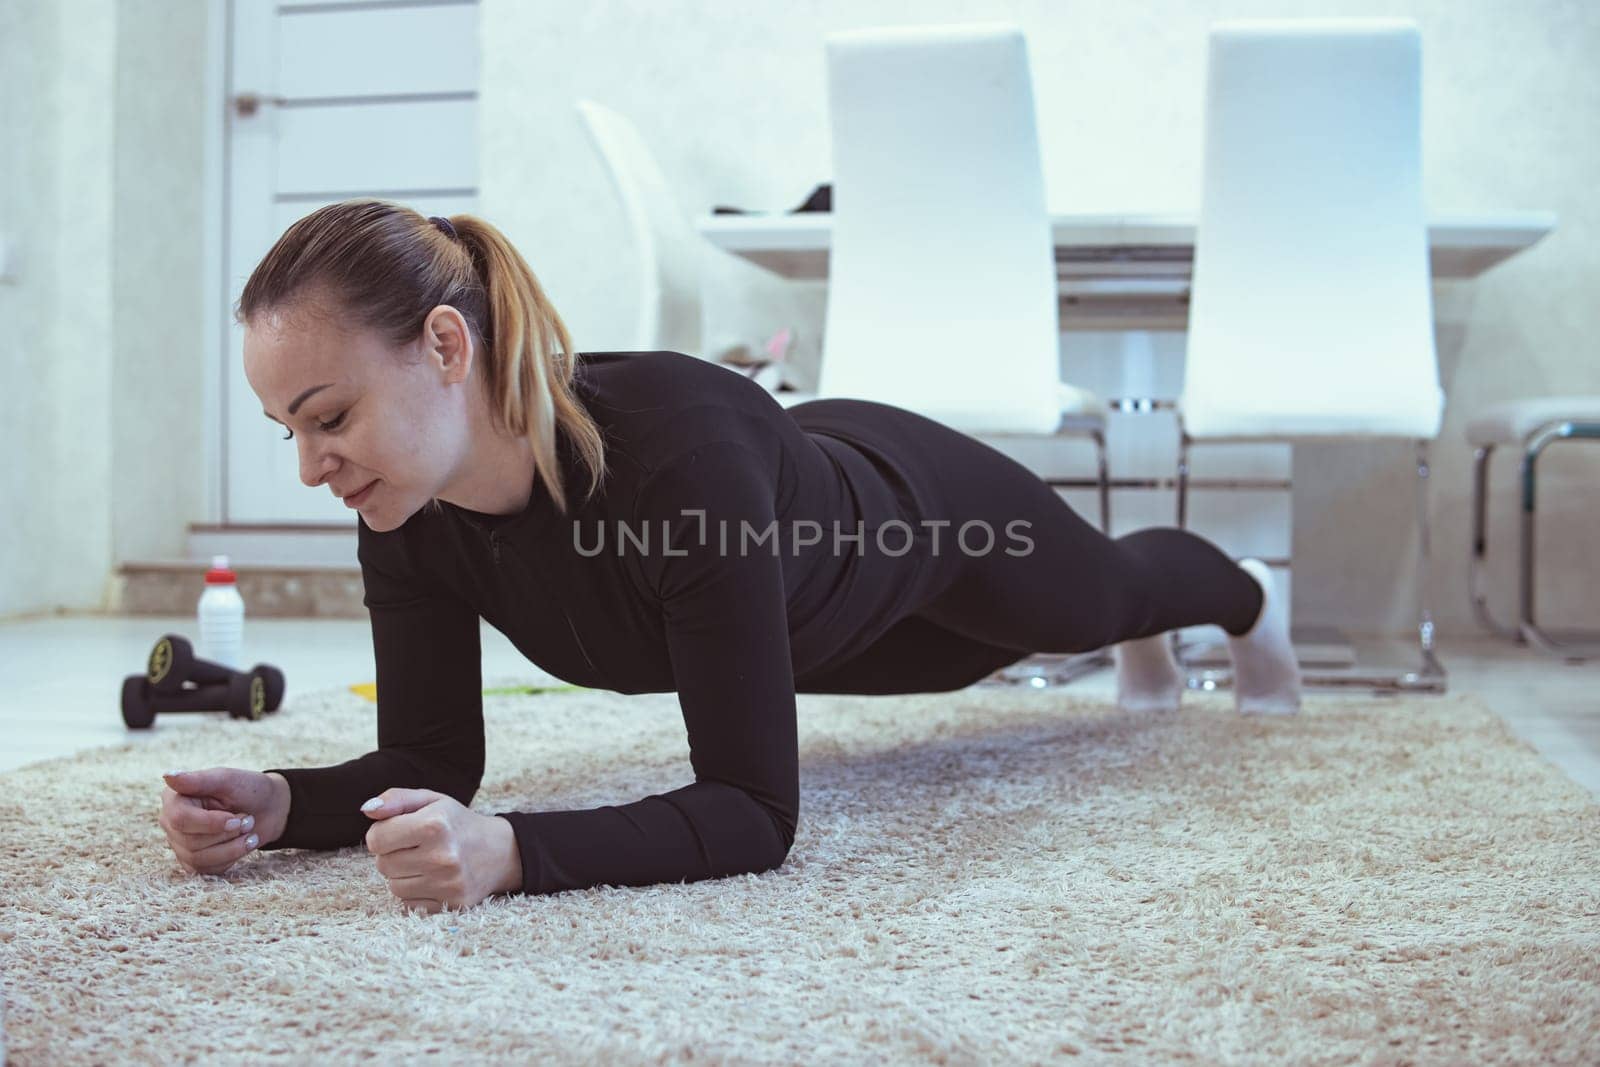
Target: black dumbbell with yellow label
[[175, 679]]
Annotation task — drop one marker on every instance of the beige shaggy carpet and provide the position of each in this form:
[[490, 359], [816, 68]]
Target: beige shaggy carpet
[[992, 876]]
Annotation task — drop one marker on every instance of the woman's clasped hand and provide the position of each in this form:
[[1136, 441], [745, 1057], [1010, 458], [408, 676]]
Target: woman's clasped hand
[[214, 817], [437, 853]]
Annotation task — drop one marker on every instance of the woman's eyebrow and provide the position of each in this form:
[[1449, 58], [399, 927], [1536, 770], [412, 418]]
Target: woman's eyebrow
[[294, 405]]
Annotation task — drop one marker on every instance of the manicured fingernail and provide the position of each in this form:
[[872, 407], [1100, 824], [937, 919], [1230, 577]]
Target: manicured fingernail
[[373, 805], [249, 823], [233, 824], [250, 842], [171, 774]]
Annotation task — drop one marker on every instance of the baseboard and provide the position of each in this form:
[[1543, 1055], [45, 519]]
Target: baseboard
[[270, 590]]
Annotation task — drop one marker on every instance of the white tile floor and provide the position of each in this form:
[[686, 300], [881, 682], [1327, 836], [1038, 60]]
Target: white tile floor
[[61, 676], [61, 680]]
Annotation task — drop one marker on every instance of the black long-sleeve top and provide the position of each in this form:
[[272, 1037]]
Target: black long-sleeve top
[[729, 630]]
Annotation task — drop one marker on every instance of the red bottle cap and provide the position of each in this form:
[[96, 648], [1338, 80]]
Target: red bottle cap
[[220, 574]]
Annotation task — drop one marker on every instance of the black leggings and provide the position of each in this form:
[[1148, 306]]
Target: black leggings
[[1076, 590]]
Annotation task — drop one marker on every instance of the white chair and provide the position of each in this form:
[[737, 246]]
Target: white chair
[[669, 248], [670, 308], [1530, 426], [942, 294], [1311, 311]]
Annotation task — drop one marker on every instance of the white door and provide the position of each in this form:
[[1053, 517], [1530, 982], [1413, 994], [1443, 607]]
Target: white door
[[329, 102]]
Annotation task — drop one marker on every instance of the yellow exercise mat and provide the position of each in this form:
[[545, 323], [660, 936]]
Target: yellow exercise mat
[[370, 690]]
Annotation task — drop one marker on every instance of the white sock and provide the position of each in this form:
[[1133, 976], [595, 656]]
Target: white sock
[[1148, 675], [1266, 675]]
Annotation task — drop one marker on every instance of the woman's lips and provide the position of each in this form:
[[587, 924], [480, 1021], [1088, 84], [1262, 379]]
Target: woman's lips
[[358, 499]]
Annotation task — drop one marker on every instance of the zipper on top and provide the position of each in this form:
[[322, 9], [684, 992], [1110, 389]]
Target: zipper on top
[[579, 640], [494, 548]]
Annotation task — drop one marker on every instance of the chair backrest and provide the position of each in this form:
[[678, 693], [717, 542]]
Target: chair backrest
[[669, 248], [1311, 311], [942, 286]]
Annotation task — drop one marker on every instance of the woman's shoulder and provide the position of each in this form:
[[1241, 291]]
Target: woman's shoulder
[[660, 380], [657, 407]]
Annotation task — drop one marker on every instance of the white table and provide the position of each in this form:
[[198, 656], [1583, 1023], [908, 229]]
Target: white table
[[1121, 271]]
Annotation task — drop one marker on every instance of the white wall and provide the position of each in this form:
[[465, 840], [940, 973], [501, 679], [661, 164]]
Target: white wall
[[731, 97], [55, 359], [157, 241], [100, 196]]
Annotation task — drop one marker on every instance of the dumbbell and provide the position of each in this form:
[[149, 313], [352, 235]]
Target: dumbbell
[[242, 696], [173, 662]]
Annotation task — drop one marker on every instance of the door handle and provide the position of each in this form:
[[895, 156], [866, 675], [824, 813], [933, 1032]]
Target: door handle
[[246, 105]]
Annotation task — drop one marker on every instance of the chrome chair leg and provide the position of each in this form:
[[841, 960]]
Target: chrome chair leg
[[1105, 483], [1178, 647], [1477, 562], [1184, 441], [1587, 645], [1430, 677]]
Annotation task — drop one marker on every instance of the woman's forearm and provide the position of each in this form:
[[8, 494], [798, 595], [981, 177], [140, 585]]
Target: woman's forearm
[[324, 806], [703, 830]]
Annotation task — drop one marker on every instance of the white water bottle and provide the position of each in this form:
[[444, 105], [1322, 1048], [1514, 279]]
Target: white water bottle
[[221, 616]]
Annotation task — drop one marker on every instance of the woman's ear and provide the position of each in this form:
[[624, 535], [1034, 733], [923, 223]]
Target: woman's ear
[[445, 337]]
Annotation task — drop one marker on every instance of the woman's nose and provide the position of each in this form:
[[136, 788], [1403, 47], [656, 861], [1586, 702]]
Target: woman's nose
[[315, 465]]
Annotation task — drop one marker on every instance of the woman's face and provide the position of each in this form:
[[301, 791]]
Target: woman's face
[[364, 413]]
